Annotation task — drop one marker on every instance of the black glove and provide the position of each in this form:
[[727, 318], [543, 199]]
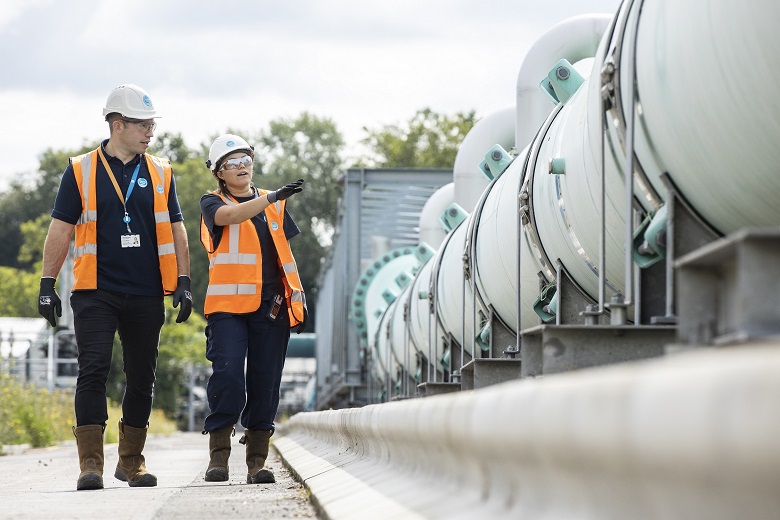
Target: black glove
[[49, 301], [286, 191], [302, 325], [183, 295]]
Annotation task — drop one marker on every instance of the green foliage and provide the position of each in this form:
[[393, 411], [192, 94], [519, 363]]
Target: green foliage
[[172, 147], [20, 286], [34, 233], [28, 198], [35, 416], [30, 415], [20, 292], [427, 140]]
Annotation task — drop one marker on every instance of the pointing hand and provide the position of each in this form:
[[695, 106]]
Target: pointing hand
[[286, 191]]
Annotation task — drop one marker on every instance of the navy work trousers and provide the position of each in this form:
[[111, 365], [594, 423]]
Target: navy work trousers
[[97, 316], [247, 354]]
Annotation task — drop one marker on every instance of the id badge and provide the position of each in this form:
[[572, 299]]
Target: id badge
[[131, 241]]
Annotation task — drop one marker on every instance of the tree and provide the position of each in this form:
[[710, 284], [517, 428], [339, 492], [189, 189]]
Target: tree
[[172, 146], [427, 140], [20, 293], [34, 233], [29, 197], [20, 286]]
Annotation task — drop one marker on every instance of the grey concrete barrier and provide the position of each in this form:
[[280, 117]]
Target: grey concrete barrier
[[691, 435]]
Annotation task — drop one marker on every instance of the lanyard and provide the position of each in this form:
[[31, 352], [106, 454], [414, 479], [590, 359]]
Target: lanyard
[[126, 218]]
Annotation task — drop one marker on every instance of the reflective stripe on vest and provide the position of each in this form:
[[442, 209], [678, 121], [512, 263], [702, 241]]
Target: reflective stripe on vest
[[238, 260], [85, 251], [166, 251]]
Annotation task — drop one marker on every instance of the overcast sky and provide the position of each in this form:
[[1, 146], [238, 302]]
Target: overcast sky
[[210, 65]]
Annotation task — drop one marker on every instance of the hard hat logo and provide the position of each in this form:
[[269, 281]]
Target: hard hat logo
[[130, 101]]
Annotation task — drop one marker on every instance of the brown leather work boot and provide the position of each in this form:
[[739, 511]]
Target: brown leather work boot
[[219, 451], [89, 441], [257, 442], [131, 467]]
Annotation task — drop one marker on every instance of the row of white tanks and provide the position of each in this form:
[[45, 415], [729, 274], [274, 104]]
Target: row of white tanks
[[689, 87]]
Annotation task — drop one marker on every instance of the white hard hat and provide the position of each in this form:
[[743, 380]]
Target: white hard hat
[[225, 145], [130, 101]]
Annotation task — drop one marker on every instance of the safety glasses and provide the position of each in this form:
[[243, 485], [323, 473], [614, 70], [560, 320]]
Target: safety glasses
[[238, 162], [144, 125]]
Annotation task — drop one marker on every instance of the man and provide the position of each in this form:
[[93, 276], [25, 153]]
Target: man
[[130, 250]]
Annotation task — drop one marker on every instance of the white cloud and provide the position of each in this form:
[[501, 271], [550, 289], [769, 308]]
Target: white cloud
[[212, 65], [12, 9]]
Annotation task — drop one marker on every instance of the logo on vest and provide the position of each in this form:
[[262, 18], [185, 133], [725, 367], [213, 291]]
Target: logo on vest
[[142, 183], [160, 189], [274, 226]]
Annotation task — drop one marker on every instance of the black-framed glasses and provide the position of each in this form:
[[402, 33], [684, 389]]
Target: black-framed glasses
[[145, 126], [238, 162]]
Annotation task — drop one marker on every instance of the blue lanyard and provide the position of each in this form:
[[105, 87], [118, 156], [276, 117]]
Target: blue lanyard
[[126, 218], [110, 173], [132, 183]]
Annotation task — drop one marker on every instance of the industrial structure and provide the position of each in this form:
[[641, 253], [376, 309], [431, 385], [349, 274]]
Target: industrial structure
[[622, 218], [535, 236]]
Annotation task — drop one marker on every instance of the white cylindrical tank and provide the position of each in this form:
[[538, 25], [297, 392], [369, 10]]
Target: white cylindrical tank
[[496, 251], [702, 98], [707, 77], [451, 292], [385, 364], [419, 310], [404, 349]]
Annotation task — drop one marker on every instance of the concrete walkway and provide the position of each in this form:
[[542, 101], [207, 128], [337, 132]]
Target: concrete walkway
[[41, 483]]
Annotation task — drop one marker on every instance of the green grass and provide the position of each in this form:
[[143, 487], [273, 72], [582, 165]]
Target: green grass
[[34, 416]]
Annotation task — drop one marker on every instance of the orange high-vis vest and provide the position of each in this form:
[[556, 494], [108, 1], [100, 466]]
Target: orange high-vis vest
[[85, 262], [236, 268]]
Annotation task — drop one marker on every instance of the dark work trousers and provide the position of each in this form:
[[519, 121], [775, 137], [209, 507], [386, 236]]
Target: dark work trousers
[[97, 316], [234, 341]]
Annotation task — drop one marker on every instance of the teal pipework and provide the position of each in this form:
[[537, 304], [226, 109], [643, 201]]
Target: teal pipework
[[649, 245], [561, 82], [483, 338], [497, 160], [394, 269], [403, 279], [423, 252], [557, 166], [453, 216], [302, 345], [544, 306]]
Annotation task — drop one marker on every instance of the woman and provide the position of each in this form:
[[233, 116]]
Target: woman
[[253, 299]]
